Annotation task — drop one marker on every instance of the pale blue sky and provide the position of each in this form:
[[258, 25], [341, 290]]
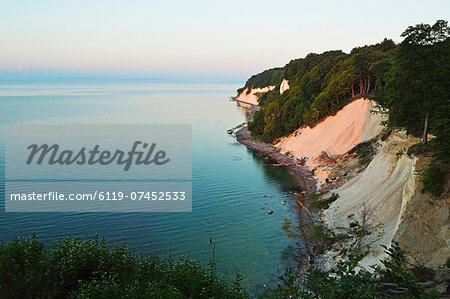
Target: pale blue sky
[[231, 39]]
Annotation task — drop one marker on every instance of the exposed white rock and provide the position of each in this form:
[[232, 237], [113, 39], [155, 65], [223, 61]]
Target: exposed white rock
[[284, 86]]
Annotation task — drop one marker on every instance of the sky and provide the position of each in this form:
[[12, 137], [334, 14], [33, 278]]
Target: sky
[[206, 39]]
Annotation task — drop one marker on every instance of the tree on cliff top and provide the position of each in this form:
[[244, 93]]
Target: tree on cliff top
[[417, 88]]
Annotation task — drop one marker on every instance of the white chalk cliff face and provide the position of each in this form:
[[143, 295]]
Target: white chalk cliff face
[[389, 187], [284, 86], [384, 189], [251, 97], [336, 134]]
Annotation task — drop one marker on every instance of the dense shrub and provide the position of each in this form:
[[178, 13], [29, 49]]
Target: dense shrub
[[91, 268], [432, 179]]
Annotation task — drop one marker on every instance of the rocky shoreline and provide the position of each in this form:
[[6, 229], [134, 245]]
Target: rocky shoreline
[[307, 181], [303, 174]]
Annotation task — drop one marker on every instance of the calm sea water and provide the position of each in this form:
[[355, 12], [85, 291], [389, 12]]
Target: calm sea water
[[228, 179]]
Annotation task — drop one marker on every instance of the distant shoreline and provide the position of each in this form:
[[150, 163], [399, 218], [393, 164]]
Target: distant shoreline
[[247, 105]]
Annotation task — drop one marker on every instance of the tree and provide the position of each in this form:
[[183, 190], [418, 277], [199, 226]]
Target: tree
[[441, 120], [412, 87]]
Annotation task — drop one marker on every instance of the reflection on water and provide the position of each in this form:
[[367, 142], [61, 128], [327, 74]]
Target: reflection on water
[[228, 179]]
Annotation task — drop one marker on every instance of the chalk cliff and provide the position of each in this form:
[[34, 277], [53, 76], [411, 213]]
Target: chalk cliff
[[389, 187]]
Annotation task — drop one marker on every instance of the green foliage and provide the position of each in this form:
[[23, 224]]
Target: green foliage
[[344, 281], [256, 126], [415, 84], [394, 271], [348, 280], [317, 203], [324, 237], [287, 286], [22, 268], [266, 78], [91, 268], [416, 89], [432, 179], [320, 85], [306, 228], [417, 93], [440, 124]]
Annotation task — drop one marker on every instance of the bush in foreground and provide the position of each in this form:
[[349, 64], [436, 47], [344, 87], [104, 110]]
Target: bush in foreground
[[90, 268]]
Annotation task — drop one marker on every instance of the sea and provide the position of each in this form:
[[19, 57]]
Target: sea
[[233, 187]]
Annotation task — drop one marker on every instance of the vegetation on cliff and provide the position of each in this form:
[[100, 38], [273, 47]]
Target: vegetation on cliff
[[341, 272], [266, 78], [416, 86], [392, 280], [320, 85], [411, 79], [416, 90]]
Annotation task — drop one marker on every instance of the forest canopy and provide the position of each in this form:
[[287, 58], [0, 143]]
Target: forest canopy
[[320, 85]]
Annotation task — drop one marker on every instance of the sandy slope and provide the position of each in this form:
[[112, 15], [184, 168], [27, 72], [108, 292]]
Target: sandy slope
[[336, 134], [251, 97], [284, 86]]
